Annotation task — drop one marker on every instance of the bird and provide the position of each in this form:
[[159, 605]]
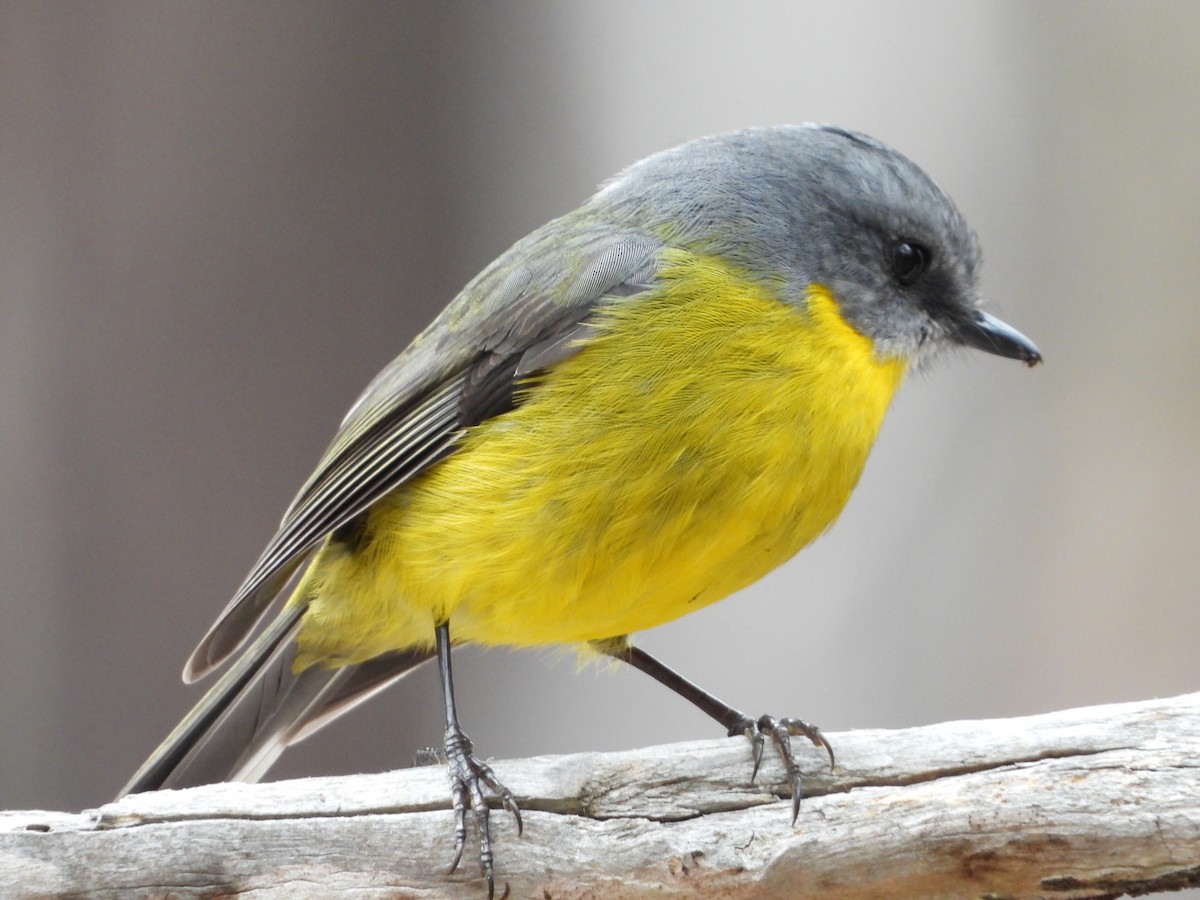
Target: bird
[[638, 409]]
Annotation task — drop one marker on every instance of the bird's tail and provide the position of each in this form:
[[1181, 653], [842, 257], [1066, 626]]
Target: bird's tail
[[259, 707]]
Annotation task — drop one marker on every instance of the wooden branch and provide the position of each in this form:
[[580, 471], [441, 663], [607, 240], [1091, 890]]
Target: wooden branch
[[1085, 803]]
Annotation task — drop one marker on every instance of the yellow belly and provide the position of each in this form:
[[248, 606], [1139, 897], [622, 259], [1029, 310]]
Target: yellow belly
[[702, 437]]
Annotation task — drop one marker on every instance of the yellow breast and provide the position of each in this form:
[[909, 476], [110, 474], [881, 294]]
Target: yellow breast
[[703, 435]]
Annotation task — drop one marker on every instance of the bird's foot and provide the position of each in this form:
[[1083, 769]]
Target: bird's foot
[[780, 731], [469, 776]]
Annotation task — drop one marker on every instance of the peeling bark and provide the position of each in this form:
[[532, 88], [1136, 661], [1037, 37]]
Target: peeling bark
[[1091, 802]]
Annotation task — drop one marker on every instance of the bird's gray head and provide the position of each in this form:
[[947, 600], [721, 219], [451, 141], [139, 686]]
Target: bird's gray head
[[814, 204]]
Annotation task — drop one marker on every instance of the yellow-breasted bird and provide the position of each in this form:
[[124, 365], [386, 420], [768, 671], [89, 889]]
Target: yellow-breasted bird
[[643, 406]]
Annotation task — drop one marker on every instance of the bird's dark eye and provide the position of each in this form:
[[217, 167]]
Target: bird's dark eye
[[909, 261]]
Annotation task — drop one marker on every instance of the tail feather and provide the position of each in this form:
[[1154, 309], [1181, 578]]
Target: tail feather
[[259, 707], [364, 681]]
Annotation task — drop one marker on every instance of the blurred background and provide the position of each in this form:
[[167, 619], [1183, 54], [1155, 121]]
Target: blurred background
[[219, 220]]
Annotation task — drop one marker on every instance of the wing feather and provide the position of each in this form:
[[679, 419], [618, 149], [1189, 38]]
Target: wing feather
[[381, 461], [522, 313]]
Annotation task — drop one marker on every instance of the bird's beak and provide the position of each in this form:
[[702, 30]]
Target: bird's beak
[[987, 333]]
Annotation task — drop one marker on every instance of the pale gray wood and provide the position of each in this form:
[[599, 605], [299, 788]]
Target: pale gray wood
[[1081, 803]]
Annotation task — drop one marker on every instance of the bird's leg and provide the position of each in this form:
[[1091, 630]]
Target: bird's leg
[[734, 721], [468, 775]]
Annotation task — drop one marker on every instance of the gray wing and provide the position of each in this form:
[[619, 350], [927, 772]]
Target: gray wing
[[521, 314]]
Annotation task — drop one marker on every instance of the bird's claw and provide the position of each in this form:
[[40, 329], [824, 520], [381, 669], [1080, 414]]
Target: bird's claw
[[468, 778], [781, 731]]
